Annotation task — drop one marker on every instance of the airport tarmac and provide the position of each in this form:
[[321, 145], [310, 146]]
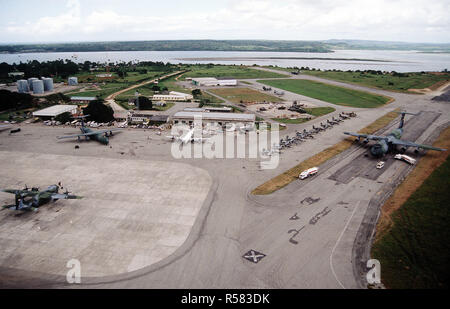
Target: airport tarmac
[[302, 236]]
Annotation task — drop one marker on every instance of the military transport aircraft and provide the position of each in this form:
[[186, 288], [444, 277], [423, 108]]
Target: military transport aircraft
[[389, 142], [100, 136], [27, 199]]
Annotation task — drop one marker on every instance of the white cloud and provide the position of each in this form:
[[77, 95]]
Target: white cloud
[[412, 20]]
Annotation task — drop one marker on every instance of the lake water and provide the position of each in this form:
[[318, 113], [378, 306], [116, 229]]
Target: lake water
[[400, 61]]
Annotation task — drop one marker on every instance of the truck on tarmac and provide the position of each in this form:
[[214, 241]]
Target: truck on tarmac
[[308, 173], [405, 158]]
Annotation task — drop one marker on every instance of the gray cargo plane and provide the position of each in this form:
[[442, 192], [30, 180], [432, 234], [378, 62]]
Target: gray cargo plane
[[391, 141], [27, 199], [101, 136]]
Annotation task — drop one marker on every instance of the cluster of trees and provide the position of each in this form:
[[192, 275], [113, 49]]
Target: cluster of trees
[[62, 68], [15, 101], [145, 103], [99, 112], [173, 45]]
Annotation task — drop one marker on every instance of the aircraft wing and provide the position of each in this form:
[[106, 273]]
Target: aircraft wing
[[411, 144], [368, 136], [58, 196], [22, 192]]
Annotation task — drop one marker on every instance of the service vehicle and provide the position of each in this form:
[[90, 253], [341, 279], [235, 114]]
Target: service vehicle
[[308, 173]]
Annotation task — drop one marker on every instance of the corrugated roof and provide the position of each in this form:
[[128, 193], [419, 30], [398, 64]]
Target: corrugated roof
[[215, 116], [54, 110], [83, 98]]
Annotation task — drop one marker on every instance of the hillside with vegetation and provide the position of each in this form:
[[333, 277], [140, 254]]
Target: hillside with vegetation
[[225, 45]]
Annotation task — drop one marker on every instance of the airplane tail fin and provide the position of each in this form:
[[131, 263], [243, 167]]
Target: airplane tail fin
[[402, 120]]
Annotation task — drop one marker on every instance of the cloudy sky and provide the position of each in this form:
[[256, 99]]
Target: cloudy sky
[[105, 20]]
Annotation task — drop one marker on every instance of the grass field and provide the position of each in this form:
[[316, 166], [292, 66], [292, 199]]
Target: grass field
[[105, 90], [329, 93], [236, 95], [291, 121], [319, 111], [413, 231], [229, 71], [291, 175], [386, 81]]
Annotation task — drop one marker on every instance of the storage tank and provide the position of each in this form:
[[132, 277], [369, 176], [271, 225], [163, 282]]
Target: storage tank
[[48, 83], [30, 82], [22, 86], [73, 81], [38, 86]]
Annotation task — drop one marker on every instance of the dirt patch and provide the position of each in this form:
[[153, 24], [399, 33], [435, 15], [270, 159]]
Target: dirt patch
[[437, 86], [289, 176], [413, 181]]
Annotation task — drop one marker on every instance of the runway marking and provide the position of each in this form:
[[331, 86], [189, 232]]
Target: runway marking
[[337, 242], [310, 200], [319, 216], [296, 232], [254, 256]]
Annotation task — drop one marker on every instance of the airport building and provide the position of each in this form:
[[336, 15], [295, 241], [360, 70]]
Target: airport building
[[82, 100], [212, 117], [55, 110], [213, 109], [211, 81], [16, 74], [173, 96]]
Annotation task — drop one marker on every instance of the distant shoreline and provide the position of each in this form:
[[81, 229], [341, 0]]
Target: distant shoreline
[[276, 58]]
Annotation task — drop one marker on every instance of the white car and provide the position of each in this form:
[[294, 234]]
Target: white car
[[310, 172], [380, 165], [405, 158]]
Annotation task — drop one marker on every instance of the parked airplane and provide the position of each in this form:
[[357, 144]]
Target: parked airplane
[[101, 136], [391, 141], [27, 199], [187, 138]]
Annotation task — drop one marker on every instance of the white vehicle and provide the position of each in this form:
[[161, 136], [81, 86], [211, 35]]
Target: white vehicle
[[380, 165], [405, 158], [308, 173]]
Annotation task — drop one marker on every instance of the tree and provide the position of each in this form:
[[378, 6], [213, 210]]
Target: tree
[[156, 88], [99, 112], [196, 92], [15, 100], [145, 103]]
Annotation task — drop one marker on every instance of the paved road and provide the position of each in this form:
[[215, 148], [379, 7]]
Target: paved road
[[116, 107]]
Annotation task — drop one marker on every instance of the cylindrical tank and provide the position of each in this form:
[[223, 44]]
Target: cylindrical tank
[[73, 81], [48, 84], [22, 86], [30, 82], [38, 86]]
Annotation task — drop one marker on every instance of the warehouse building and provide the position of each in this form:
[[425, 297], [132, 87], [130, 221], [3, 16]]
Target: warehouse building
[[173, 96], [222, 109], [55, 110], [211, 82], [211, 117], [82, 100]]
